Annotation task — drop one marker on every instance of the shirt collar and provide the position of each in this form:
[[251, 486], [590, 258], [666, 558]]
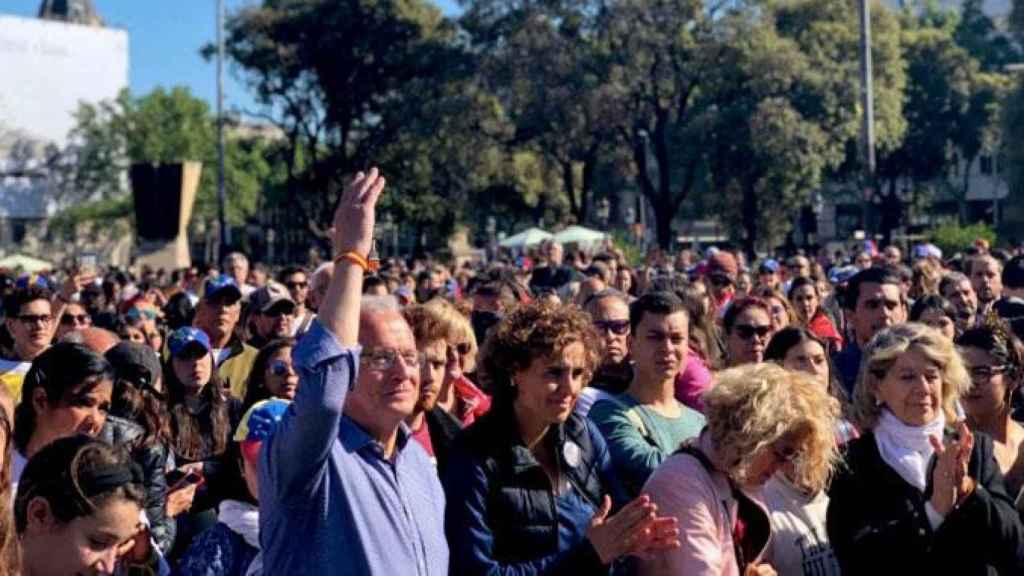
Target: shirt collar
[[355, 439]]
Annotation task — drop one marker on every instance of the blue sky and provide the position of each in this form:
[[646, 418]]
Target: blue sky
[[164, 40]]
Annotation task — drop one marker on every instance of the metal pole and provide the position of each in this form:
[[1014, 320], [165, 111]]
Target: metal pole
[[868, 102], [225, 235]]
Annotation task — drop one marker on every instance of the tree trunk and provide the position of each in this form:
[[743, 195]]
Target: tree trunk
[[569, 186], [750, 220], [664, 211], [961, 200]]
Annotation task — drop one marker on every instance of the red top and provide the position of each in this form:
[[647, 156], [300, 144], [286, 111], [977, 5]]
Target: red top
[[423, 437], [470, 401], [823, 328]]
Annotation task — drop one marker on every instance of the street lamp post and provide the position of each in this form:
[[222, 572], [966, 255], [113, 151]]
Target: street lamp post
[[225, 234], [868, 103], [492, 240]]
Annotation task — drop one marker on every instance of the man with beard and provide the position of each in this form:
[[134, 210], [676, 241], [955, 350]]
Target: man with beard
[[646, 424], [986, 278], [610, 314], [431, 426], [217, 315], [957, 288], [873, 300]]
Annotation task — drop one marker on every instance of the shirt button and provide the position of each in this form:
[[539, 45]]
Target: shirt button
[[921, 531]]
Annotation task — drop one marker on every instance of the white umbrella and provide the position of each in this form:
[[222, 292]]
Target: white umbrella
[[527, 237], [579, 235], [25, 263]]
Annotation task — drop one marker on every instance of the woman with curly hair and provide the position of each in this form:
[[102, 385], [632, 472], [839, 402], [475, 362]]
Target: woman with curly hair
[[529, 485], [761, 418], [917, 496], [9, 555]]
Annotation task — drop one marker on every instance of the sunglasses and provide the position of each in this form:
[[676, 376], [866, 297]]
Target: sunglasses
[[280, 368], [746, 331], [463, 349], [75, 319], [720, 280], [617, 327], [297, 285]]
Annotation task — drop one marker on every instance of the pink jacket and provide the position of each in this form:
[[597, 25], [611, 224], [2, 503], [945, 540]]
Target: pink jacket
[[702, 503], [693, 381]]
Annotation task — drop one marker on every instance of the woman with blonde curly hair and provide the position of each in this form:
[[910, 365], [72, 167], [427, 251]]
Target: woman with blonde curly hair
[[917, 496], [529, 486], [761, 419]]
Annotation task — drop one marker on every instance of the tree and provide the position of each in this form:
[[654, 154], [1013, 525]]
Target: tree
[[330, 75], [162, 126]]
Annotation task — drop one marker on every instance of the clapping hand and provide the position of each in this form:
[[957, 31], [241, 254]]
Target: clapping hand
[[635, 530], [950, 482]]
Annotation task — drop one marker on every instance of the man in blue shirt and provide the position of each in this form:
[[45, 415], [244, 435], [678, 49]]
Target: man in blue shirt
[[873, 300], [343, 489]]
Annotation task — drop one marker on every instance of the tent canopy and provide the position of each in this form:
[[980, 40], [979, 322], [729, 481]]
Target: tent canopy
[[25, 263], [579, 235], [528, 237]]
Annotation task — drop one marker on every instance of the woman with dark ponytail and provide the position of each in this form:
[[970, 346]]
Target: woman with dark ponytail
[[66, 391]]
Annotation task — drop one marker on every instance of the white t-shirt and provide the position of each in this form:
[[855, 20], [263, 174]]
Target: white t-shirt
[[799, 545]]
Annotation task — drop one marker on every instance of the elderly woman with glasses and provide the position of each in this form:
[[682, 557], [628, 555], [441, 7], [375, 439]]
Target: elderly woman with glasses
[[761, 419], [529, 486], [748, 328], [994, 359], [918, 495]]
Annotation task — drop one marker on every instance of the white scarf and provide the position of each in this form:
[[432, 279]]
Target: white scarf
[[244, 519], [906, 449]]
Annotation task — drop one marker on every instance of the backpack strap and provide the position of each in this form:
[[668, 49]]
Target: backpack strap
[[705, 462]]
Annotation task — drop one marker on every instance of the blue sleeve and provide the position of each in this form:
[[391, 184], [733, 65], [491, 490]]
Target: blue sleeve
[[294, 460], [471, 538], [633, 457], [610, 480]]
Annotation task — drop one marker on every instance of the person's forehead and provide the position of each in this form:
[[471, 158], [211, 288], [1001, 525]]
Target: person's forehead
[[39, 305], [807, 347], [752, 313], [875, 291], [674, 322], [611, 309], [296, 277], [435, 349], [387, 329]]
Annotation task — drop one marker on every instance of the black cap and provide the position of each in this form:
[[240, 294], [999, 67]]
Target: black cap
[[135, 362]]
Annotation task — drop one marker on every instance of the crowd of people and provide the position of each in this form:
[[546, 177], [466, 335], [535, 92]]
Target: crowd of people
[[543, 413]]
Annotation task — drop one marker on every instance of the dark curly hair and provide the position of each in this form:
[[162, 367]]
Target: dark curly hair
[[536, 330]]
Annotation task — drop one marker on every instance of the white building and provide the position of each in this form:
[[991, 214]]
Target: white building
[[49, 67]]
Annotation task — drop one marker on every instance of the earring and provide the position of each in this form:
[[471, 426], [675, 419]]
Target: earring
[[878, 403]]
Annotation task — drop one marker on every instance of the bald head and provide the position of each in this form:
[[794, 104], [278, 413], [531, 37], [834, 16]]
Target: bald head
[[96, 339]]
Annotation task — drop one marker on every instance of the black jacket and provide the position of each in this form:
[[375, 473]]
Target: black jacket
[[501, 507], [878, 525], [443, 427], [153, 460]]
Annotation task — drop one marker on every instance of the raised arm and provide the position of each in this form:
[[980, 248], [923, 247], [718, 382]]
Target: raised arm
[[327, 357]]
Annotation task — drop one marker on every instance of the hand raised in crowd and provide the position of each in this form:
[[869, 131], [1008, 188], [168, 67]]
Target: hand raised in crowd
[[950, 482], [74, 284], [635, 530], [355, 216]]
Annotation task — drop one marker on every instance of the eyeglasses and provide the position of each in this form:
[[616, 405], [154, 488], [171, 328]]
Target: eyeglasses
[[721, 280], [297, 285], [985, 373], [75, 319], [746, 331], [35, 318], [463, 348], [617, 327], [280, 368], [385, 359]]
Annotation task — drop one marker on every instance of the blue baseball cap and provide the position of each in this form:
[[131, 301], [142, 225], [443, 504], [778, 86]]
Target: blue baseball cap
[[187, 337], [219, 285], [770, 266], [842, 274]]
